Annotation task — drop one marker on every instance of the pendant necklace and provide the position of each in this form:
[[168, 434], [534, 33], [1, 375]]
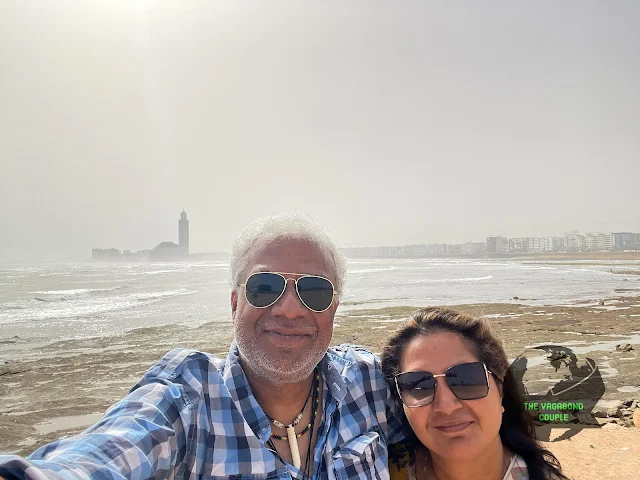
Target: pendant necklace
[[292, 436]]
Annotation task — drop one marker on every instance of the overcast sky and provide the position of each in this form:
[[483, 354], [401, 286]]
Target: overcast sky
[[390, 122]]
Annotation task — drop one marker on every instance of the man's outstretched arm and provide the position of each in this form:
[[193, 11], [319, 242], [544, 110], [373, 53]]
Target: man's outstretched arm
[[139, 437], [142, 436]]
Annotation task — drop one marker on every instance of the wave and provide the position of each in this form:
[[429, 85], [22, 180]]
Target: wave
[[593, 271], [452, 280], [370, 270], [72, 294], [148, 297], [84, 307]]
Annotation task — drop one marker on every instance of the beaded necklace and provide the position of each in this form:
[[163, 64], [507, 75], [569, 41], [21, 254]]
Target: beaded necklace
[[292, 436]]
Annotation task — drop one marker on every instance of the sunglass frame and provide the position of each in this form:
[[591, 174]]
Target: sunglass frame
[[295, 281], [435, 385]]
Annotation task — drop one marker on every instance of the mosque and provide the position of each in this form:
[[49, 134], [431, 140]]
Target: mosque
[[164, 252], [169, 251]]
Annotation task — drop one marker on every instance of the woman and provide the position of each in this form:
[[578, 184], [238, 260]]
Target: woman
[[464, 414]]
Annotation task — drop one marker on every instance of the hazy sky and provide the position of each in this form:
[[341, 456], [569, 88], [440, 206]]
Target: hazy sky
[[390, 122]]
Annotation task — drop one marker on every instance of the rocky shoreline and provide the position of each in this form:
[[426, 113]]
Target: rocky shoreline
[[56, 390]]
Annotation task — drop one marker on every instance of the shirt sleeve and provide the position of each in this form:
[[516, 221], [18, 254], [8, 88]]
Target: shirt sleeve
[[393, 412], [143, 436]]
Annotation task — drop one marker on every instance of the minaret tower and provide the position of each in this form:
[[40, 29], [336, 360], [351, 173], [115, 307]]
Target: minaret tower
[[183, 233]]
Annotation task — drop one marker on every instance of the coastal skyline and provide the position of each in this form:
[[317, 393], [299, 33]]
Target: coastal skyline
[[571, 241], [393, 124]]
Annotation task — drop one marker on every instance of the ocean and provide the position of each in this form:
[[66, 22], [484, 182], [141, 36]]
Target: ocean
[[45, 303]]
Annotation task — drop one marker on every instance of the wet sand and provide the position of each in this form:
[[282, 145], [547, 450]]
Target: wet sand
[[56, 390]]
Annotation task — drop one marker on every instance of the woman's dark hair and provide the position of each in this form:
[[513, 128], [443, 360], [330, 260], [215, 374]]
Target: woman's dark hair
[[517, 431]]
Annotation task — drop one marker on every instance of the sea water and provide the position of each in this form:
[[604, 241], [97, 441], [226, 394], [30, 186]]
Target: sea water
[[43, 303]]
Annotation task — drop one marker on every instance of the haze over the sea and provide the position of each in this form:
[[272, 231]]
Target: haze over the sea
[[392, 123]]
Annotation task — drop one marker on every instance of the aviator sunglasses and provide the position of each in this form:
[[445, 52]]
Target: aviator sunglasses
[[467, 381], [263, 289]]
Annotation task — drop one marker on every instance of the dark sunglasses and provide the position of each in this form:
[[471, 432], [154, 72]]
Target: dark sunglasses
[[263, 289], [467, 381]]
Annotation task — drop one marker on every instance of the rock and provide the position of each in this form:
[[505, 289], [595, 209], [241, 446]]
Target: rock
[[628, 402], [614, 412], [636, 418], [603, 407], [11, 369], [557, 355], [516, 298], [624, 347]]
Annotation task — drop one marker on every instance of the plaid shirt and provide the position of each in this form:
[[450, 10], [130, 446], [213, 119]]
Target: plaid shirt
[[517, 469], [193, 416]]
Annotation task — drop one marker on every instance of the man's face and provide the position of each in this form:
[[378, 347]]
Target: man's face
[[284, 342]]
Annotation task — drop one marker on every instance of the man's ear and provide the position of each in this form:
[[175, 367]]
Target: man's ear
[[234, 304]]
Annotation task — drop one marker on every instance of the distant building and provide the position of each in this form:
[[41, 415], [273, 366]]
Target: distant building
[[478, 248], [622, 240], [474, 248], [106, 255], [166, 252], [436, 249], [557, 244], [183, 233], [454, 250], [626, 241], [540, 244], [141, 256], [169, 251], [519, 245], [598, 242], [590, 242], [575, 243], [497, 245]]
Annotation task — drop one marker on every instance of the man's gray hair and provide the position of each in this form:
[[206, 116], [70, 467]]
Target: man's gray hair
[[286, 226]]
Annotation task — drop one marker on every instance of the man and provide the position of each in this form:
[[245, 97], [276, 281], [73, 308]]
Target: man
[[282, 405]]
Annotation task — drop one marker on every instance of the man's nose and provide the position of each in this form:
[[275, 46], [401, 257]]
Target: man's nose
[[444, 400], [289, 305]]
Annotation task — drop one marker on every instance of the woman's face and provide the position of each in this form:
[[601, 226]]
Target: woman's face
[[449, 427]]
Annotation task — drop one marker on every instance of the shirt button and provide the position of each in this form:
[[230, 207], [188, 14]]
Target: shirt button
[[264, 429]]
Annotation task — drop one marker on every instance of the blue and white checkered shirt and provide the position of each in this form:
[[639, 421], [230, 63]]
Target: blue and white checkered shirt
[[193, 416]]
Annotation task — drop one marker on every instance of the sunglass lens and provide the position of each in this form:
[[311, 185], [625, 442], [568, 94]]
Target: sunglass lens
[[468, 381], [315, 292], [263, 289], [416, 388]]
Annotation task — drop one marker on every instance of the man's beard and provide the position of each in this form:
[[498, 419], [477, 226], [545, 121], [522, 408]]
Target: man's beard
[[276, 369]]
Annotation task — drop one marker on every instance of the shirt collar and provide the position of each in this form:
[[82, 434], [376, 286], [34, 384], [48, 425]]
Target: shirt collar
[[337, 372]]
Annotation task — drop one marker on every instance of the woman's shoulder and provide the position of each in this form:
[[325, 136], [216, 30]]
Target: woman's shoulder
[[517, 469], [402, 464]]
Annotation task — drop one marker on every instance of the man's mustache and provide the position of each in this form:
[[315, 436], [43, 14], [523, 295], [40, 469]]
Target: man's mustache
[[288, 324]]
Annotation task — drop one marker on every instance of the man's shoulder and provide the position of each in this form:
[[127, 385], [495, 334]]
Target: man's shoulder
[[186, 363]]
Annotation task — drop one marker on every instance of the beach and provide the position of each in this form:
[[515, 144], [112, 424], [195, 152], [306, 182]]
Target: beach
[[57, 389], [76, 337]]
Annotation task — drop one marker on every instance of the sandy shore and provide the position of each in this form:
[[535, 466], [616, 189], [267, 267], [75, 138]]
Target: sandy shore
[[56, 390]]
